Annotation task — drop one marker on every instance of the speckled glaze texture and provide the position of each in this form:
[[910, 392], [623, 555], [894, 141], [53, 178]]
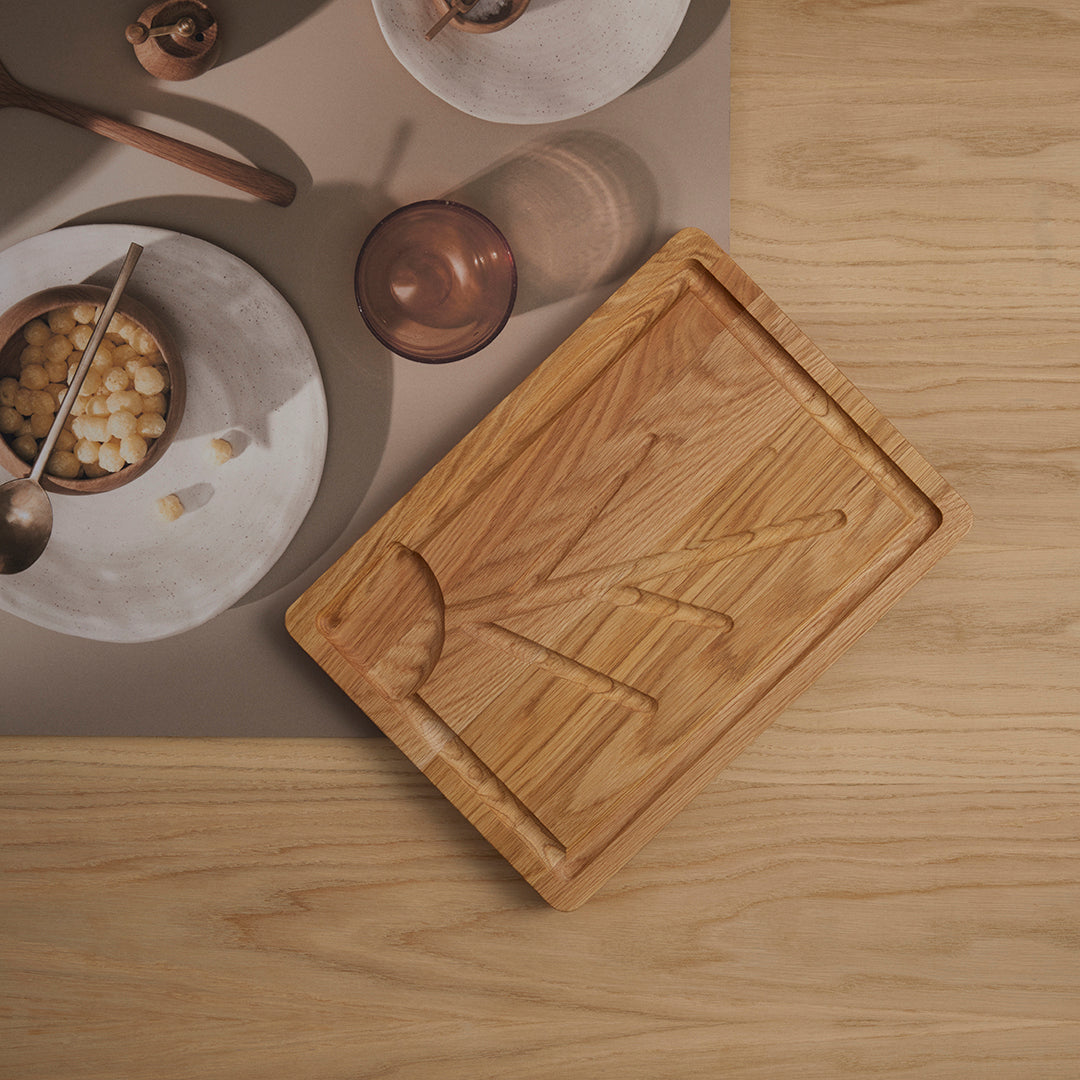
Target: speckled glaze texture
[[561, 59], [114, 570]]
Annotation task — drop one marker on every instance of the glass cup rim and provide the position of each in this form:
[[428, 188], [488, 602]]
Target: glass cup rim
[[388, 219]]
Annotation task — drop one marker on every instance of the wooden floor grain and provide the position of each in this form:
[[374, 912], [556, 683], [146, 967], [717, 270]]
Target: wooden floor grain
[[309, 908], [885, 884]]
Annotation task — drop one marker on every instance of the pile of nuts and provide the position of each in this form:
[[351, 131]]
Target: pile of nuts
[[121, 405]]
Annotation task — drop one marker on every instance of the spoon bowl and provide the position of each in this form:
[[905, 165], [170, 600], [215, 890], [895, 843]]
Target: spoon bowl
[[25, 524], [26, 516]]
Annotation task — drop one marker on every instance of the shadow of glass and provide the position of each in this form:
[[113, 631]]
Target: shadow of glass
[[320, 235], [578, 209]]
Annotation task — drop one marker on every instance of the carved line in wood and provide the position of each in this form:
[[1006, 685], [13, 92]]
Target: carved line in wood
[[498, 798], [815, 401], [599, 582], [691, 275], [531, 652], [342, 620], [597, 358]]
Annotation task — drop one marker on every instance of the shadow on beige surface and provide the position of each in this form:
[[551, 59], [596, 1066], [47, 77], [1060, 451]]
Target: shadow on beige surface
[[78, 52], [322, 233], [702, 20]]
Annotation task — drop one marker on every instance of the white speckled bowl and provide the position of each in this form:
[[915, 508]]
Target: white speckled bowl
[[562, 60], [114, 570]]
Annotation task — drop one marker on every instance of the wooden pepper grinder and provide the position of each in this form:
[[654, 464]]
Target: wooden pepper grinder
[[175, 39]]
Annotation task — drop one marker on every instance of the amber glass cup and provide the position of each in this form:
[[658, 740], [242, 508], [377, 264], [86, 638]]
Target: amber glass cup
[[435, 281]]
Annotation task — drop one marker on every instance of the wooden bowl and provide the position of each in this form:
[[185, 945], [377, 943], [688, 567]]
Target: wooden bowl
[[11, 324], [477, 26]]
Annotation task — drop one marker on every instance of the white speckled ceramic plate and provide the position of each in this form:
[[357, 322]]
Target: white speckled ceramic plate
[[560, 59], [115, 571]]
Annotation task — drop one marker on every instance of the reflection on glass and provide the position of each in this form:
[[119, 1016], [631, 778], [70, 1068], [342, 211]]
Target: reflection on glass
[[435, 281]]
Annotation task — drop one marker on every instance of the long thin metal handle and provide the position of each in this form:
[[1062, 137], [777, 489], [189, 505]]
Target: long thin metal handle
[[134, 251]]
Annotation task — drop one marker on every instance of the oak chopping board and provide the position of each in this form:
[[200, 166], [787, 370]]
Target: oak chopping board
[[623, 574]]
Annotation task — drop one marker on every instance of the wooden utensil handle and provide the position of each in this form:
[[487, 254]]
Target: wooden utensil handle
[[247, 178], [457, 7]]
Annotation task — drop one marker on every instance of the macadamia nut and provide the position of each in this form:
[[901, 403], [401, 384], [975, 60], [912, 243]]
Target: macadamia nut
[[143, 343], [104, 359], [25, 446], [116, 378], [37, 332], [133, 448], [42, 401], [219, 451], [149, 380], [124, 354], [80, 335], [169, 507], [122, 423], [151, 425], [91, 383], [124, 401], [58, 347], [63, 463], [61, 321], [109, 456], [57, 370], [40, 424], [33, 377], [86, 450]]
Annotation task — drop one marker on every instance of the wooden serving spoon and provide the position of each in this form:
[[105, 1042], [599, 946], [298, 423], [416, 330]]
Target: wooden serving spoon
[[246, 178]]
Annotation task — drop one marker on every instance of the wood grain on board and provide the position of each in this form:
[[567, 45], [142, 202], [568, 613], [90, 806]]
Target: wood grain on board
[[884, 884], [612, 585]]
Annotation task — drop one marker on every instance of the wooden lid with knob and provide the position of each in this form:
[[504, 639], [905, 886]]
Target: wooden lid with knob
[[175, 39]]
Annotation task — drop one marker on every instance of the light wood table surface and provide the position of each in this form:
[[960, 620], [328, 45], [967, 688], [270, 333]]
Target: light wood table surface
[[884, 885]]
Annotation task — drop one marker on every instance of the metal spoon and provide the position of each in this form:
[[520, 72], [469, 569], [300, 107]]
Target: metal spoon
[[26, 516]]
